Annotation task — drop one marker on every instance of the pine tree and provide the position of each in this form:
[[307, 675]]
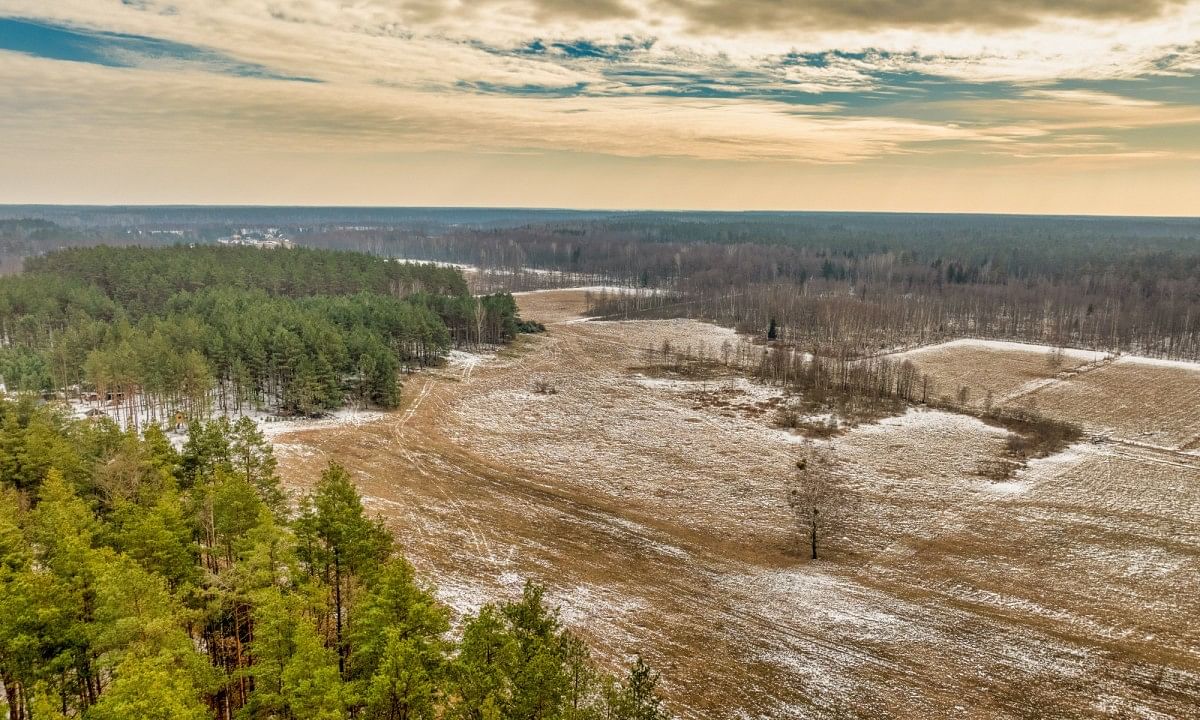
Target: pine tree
[[639, 698], [276, 617], [481, 672], [401, 687], [311, 680], [539, 679], [583, 680], [340, 543], [396, 605], [159, 538], [254, 460], [149, 688], [205, 452]]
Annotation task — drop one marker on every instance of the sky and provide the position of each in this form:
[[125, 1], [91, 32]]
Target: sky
[[1021, 106]]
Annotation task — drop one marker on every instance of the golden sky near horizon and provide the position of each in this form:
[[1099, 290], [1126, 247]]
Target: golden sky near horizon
[[1041, 106]]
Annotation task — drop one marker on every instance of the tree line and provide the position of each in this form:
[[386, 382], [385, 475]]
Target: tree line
[[155, 332], [137, 581], [871, 281]]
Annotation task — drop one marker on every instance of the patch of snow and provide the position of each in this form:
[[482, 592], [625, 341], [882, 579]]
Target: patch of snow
[[1011, 487], [438, 263], [1011, 346], [462, 358], [613, 289], [346, 417], [1158, 362], [589, 604]]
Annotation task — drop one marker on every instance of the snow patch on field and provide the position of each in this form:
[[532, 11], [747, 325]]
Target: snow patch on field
[[437, 263], [605, 611], [465, 363], [611, 289], [463, 596], [1158, 362], [1010, 346], [1011, 487], [464, 359], [744, 390], [344, 418], [931, 421], [299, 450]]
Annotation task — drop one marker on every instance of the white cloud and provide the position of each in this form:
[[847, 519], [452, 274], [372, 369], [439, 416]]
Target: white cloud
[[399, 76]]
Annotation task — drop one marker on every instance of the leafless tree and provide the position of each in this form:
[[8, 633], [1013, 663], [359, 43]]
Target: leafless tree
[[1054, 358], [817, 496]]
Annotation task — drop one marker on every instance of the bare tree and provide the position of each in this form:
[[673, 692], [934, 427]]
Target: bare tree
[[817, 496], [1054, 358]]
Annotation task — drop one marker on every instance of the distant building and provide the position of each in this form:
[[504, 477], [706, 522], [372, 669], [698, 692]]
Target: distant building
[[270, 239]]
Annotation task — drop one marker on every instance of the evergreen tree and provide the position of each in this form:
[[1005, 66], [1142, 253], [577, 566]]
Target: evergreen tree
[[149, 688], [637, 698], [340, 543], [401, 687], [311, 681], [481, 672], [539, 679], [253, 459], [396, 605]]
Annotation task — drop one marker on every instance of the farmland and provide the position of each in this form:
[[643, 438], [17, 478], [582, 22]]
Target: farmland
[[653, 507]]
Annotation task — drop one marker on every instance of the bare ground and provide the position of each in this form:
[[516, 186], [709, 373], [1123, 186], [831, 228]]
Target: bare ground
[[653, 508]]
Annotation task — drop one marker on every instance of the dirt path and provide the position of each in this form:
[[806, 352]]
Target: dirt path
[[658, 523]]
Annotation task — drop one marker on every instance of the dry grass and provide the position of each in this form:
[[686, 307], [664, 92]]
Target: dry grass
[[654, 509], [1140, 402], [1006, 370]]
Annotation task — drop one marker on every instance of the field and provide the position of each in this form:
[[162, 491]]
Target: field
[[653, 508], [1006, 370]]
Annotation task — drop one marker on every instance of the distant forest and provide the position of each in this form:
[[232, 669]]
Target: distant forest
[[859, 283], [192, 329], [835, 283]]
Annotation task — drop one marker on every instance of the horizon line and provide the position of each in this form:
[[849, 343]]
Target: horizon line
[[642, 210]]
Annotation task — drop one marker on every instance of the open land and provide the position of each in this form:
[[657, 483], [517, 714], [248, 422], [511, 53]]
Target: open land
[[654, 510]]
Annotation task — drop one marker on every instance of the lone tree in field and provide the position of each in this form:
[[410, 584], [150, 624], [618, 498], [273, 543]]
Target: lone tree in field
[[817, 497], [1054, 358]]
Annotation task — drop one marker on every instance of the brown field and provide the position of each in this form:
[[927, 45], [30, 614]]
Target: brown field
[[1131, 400], [1006, 369], [1134, 400], [653, 508]]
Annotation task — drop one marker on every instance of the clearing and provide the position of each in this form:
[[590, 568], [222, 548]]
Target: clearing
[[653, 509]]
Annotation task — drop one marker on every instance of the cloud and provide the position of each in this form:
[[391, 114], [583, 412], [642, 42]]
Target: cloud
[[787, 16], [804, 82], [843, 14], [60, 42]]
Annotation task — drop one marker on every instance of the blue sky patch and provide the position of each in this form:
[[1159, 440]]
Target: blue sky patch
[[61, 42]]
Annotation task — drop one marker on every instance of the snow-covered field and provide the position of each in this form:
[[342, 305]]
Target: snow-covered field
[[654, 509]]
